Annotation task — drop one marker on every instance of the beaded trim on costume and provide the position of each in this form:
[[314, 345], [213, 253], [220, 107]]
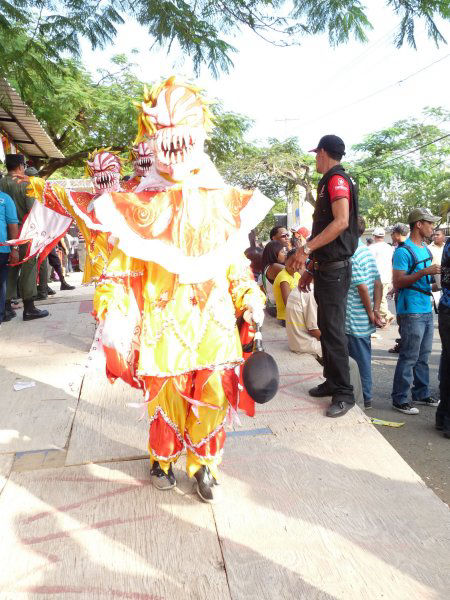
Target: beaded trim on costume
[[219, 367], [207, 456], [204, 440], [159, 411]]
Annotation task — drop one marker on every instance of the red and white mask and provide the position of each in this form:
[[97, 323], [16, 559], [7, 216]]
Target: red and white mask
[[143, 158], [104, 169]]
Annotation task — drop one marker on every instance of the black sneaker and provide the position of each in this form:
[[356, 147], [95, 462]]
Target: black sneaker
[[205, 484], [66, 286], [427, 401], [406, 408], [50, 292], [367, 404], [160, 479], [320, 391]]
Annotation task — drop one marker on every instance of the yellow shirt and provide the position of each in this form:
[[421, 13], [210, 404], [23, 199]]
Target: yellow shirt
[[292, 281]]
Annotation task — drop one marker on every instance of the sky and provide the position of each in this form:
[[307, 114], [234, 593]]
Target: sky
[[309, 90]]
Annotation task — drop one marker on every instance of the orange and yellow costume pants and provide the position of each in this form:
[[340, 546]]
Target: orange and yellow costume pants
[[175, 426]]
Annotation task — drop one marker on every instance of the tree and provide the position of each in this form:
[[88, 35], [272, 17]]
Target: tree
[[52, 28], [84, 113], [404, 166], [278, 169]]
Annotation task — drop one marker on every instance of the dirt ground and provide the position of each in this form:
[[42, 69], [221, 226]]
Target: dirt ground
[[418, 442]]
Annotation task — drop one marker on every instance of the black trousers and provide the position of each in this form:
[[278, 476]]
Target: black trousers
[[330, 291], [444, 385], [54, 261]]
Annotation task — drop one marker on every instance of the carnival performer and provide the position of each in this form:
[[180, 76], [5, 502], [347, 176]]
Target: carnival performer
[[104, 168], [142, 158], [175, 283]]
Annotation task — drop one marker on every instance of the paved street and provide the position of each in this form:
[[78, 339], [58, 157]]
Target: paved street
[[310, 507], [418, 442]]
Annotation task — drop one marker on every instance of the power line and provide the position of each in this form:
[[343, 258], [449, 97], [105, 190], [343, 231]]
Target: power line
[[404, 154], [399, 82]]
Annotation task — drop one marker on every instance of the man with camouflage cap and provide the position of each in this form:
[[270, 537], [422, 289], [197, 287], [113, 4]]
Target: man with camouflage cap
[[411, 277]]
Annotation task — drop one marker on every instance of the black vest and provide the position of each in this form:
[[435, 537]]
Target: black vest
[[344, 246]]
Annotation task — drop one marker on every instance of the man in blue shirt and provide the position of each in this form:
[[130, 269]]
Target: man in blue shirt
[[443, 410], [411, 277], [9, 230]]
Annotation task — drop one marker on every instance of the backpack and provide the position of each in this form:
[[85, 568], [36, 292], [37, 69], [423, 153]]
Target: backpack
[[416, 263]]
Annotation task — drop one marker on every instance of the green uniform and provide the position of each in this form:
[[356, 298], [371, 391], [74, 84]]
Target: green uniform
[[21, 279]]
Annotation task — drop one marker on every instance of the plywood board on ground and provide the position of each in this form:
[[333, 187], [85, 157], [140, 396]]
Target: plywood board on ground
[[329, 514], [64, 331], [105, 428], [6, 461], [104, 532]]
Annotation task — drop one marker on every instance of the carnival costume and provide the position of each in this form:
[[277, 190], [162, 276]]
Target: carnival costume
[[176, 280], [104, 167], [142, 158]]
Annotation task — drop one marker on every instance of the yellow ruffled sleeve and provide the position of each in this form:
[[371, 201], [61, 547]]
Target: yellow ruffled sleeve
[[242, 286], [121, 280]]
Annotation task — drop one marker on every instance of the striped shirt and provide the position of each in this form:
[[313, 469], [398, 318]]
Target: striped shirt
[[364, 271]]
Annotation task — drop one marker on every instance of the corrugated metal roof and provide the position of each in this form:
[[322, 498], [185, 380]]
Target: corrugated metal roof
[[22, 126]]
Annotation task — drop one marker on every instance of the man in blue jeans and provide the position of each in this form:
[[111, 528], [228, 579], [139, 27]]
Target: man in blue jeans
[[412, 278], [9, 230], [363, 311]]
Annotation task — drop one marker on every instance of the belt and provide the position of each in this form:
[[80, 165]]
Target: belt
[[329, 266]]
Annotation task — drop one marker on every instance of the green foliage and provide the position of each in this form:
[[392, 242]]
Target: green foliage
[[82, 113], [404, 166], [53, 28], [277, 169]]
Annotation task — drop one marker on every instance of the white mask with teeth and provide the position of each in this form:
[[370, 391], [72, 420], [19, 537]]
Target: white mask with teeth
[[180, 133], [143, 159], [104, 169]]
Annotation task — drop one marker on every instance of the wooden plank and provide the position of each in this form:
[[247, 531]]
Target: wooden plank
[[52, 352], [105, 428], [329, 514], [6, 461], [104, 532]]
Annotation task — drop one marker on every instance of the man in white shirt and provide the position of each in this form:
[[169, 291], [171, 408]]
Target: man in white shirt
[[383, 257], [437, 246]]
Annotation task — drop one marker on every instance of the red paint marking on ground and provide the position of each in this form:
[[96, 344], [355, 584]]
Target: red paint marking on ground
[[306, 409], [95, 526], [136, 482], [86, 306], [51, 590], [314, 401], [68, 507]]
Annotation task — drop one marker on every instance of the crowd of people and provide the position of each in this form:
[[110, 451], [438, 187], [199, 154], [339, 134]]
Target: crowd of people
[[28, 280], [328, 288], [331, 291]]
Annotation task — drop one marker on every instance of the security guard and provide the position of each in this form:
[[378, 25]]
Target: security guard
[[327, 256]]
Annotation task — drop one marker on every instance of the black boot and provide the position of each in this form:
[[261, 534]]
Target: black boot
[[10, 313], [30, 312], [160, 479], [205, 484], [50, 292], [66, 286]]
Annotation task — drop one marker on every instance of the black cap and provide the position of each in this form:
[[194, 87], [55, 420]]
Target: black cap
[[331, 143]]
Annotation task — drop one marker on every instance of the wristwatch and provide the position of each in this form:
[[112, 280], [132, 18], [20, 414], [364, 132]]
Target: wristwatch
[[306, 249]]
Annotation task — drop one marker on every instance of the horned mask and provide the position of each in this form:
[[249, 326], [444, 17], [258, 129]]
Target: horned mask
[[177, 116]]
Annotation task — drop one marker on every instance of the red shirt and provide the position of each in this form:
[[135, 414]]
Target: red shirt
[[338, 187]]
